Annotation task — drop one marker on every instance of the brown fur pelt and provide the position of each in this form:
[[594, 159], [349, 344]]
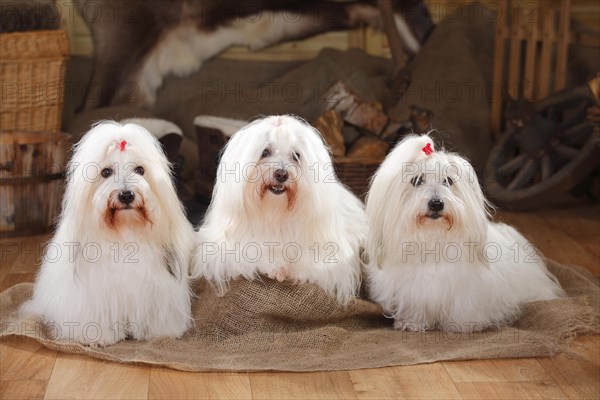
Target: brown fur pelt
[[138, 43], [28, 15]]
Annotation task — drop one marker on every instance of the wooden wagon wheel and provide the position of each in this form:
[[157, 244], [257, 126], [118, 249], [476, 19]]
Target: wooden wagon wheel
[[547, 150]]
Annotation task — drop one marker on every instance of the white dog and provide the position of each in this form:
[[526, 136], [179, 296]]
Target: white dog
[[435, 260], [118, 265], [278, 209]]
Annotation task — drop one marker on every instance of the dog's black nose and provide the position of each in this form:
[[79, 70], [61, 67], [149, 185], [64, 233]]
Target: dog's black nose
[[281, 175], [436, 205], [126, 196]]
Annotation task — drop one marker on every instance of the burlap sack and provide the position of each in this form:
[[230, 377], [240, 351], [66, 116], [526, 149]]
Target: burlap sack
[[265, 325]]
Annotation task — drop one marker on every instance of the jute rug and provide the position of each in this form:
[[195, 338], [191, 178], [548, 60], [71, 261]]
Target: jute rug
[[265, 325]]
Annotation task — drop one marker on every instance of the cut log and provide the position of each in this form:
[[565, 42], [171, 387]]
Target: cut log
[[354, 110], [330, 125], [367, 147], [32, 169]]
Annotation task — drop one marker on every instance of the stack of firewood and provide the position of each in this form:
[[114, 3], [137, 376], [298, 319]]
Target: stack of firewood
[[359, 129]]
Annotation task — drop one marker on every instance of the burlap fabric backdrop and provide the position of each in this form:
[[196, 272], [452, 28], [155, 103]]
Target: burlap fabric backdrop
[[265, 325]]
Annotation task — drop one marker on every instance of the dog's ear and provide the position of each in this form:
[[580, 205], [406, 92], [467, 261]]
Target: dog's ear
[[477, 217], [379, 256], [376, 214], [481, 257], [464, 173], [172, 263], [372, 254], [376, 209]]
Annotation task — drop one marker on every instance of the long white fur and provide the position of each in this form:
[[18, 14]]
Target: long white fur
[[326, 226], [99, 284], [427, 287]]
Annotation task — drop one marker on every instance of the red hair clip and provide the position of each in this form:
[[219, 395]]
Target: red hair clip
[[122, 145], [427, 149]]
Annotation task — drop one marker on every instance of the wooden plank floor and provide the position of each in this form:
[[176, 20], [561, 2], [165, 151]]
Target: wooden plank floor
[[568, 235]]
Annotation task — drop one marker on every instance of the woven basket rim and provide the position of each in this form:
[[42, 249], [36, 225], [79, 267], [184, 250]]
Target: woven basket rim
[[357, 160], [9, 137], [41, 59], [45, 32], [59, 36]]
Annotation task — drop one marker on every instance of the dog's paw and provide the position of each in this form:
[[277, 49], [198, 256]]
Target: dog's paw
[[279, 274], [107, 338], [97, 344], [409, 326]]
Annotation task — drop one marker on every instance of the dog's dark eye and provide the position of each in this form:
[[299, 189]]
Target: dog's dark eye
[[266, 153], [417, 180], [448, 182], [139, 170], [296, 156], [106, 172]]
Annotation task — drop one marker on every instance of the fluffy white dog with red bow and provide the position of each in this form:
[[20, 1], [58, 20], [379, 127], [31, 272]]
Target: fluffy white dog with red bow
[[118, 264], [435, 260]]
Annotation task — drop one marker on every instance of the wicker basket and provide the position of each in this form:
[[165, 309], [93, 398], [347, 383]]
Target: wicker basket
[[356, 173], [32, 71]]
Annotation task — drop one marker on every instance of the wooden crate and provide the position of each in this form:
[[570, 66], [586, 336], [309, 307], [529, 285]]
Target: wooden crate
[[31, 180], [530, 59]]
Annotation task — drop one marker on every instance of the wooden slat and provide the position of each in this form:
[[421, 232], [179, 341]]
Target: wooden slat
[[551, 240], [513, 165], [427, 381], [566, 152], [21, 254], [582, 225], [582, 39], [545, 65], [503, 379], [170, 384], [13, 279], [529, 80], [565, 371], [546, 167], [588, 347], [524, 176], [356, 38], [24, 359], [562, 45], [510, 390], [514, 63], [24, 389], [496, 370], [498, 74], [305, 385], [79, 377]]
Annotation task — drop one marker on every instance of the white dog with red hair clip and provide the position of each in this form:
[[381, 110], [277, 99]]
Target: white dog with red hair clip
[[118, 264], [435, 260]]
